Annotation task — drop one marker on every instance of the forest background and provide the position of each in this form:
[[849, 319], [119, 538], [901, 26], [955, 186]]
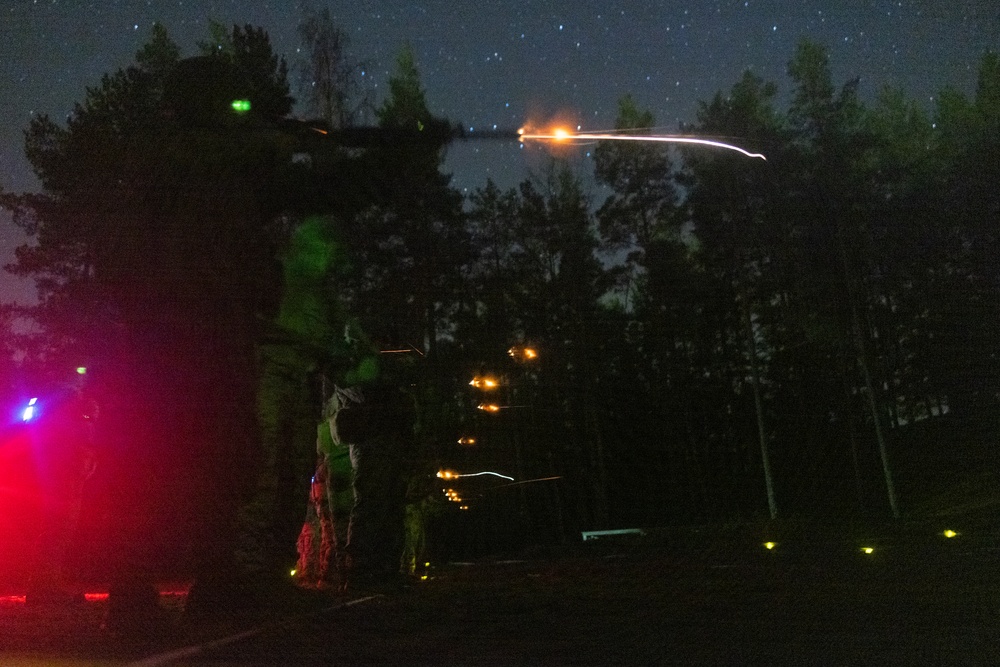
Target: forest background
[[812, 337]]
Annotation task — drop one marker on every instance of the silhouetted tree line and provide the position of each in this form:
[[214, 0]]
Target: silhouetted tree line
[[832, 309], [829, 310]]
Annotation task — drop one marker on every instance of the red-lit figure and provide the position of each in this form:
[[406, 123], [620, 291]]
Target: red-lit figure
[[324, 532], [60, 433], [366, 445], [317, 544]]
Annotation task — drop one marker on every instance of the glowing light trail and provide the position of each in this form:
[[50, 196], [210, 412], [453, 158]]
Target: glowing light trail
[[486, 472], [449, 474], [565, 135]]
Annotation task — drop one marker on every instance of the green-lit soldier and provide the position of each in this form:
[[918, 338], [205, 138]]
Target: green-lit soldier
[[370, 417]]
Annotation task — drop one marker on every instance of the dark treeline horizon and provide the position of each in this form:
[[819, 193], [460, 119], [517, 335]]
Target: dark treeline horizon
[[721, 339]]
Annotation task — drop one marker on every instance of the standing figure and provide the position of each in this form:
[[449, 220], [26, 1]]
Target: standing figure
[[375, 421], [324, 532], [317, 543], [63, 441]]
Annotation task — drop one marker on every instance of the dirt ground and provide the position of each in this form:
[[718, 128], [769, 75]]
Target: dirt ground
[[652, 601], [649, 607]]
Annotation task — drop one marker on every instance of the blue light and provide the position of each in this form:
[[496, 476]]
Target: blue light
[[29, 411]]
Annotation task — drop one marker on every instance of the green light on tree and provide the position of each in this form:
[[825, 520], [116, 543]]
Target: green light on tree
[[241, 106]]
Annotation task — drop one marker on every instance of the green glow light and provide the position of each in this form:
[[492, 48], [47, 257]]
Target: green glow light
[[81, 370], [241, 106]]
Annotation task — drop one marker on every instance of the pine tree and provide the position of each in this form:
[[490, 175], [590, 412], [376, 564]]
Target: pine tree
[[155, 257]]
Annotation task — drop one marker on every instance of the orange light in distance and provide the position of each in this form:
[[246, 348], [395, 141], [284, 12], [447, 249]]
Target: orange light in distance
[[523, 353], [489, 407], [466, 441], [484, 382], [561, 134]]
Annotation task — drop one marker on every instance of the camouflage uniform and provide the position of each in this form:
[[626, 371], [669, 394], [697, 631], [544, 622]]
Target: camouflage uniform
[[317, 543], [321, 540], [375, 421]]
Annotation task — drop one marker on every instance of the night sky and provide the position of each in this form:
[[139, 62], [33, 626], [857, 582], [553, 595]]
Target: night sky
[[486, 63]]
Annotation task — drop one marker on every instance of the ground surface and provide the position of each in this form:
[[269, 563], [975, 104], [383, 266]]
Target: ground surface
[[656, 601]]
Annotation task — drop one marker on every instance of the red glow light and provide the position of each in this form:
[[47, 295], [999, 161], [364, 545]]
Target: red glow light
[[100, 596], [174, 593]]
